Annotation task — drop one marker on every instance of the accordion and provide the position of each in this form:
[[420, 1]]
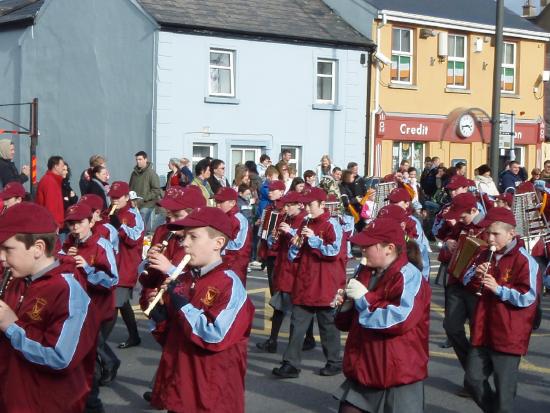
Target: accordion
[[466, 251], [269, 221]]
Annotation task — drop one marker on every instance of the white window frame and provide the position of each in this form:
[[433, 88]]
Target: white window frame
[[230, 169], [400, 53], [463, 59], [211, 152], [231, 69], [324, 76], [509, 66], [296, 160]]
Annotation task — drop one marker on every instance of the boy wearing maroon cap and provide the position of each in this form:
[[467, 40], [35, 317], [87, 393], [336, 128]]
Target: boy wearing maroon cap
[[206, 318], [95, 259], [386, 311], [237, 252], [321, 256], [504, 314], [44, 315], [13, 194], [129, 226]]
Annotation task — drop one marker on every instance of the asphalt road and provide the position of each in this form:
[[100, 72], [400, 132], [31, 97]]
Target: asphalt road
[[312, 392]]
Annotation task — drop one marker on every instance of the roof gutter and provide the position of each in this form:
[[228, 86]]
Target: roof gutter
[[460, 25], [209, 31]]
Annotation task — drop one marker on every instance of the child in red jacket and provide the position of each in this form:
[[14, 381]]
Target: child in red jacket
[[206, 320], [503, 319], [45, 319], [387, 315]]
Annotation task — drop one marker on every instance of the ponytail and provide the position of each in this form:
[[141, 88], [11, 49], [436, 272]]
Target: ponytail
[[414, 255]]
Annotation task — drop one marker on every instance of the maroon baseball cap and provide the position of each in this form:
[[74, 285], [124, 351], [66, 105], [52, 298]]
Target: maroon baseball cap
[[458, 181], [380, 230], [525, 187], [78, 212], [460, 204], [93, 201], [119, 189], [399, 195], [392, 211], [291, 197], [226, 194], [277, 185], [205, 217], [314, 194], [506, 197], [12, 190], [26, 218], [500, 215], [177, 198]]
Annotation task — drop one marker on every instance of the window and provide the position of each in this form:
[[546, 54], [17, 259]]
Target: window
[[326, 81], [202, 150], [508, 77], [222, 73], [296, 159], [410, 151], [456, 61], [401, 55], [241, 154]]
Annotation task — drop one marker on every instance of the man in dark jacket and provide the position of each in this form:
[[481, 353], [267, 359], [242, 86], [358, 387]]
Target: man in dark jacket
[[145, 182], [8, 170], [510, 178], [217, 179]]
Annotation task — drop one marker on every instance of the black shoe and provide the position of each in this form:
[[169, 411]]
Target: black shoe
[[446, 344], [130, 343], [286, 371], [147, 396], [330, 370], [269, 346], [309, 344], [108, 375]]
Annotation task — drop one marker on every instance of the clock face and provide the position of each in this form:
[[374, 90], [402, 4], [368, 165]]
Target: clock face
[[466, 126]]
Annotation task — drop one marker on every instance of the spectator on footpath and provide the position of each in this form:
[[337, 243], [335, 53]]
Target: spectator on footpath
[[265, 161], [484, 182], [298, 185], [175, 177], [358, 183], [69, 196], [185, 165], [337, 174], [324, 168], [255, 179], [310, 179], [511, 178], [535, 175], [86, 176], [429, 183], [99, 184], [8, 170], [49, 191], [545, 173], [460, 168], [245, 203], [241, 176], [217, 178], [426, 170], [404, 166], [145, 182], [286, 155], [202, 173]]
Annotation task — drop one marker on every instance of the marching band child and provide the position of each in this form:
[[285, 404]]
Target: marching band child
[[206, 320], [386, 314], [503, 320], [45, 319]]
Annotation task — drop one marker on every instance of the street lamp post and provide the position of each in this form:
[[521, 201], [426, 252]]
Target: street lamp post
[[497, 74]]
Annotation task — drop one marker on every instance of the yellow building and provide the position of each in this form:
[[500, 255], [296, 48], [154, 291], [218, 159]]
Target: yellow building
[[435, 59]]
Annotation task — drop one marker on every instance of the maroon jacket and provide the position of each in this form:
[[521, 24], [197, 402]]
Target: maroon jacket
[[203, 362], [285, 269], [43, 352], [49, 195], [503, 321], [321, 263], [130, 236], [237, 252], [387, 344]]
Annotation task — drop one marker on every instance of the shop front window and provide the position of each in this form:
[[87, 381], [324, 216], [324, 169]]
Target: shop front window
[[409, 151]]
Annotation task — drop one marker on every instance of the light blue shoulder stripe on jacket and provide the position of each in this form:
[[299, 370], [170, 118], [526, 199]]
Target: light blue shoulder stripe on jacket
[[215, 332], [438, 223], [136, 231], [328, 250], [512, 295], [113, 237], [387, 317], [61, 355], [101, 277], [469, 274], [239, 241]]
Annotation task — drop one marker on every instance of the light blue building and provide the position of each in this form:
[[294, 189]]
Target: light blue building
[[186, 78]]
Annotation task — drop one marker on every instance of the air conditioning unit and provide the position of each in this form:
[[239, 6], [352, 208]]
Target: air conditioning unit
[[442, 45]]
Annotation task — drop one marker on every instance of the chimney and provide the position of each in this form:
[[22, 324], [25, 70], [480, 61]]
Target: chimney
[[543, 4], [528, 9]]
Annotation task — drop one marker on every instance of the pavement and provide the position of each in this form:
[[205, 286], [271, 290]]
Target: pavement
[[312, 392]]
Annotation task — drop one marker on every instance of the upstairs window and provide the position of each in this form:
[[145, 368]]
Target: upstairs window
[[401, 55], [326, 81], [456, 61], [222, 73], [508, 77]]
